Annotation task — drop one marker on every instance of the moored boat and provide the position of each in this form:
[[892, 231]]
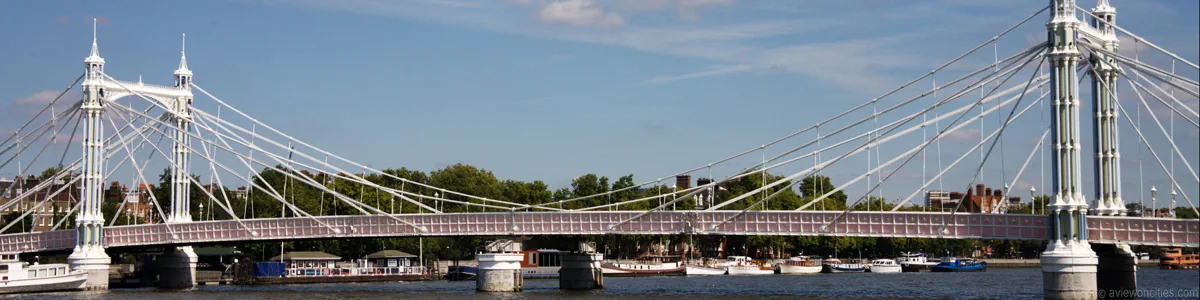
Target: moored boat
[[21, 277], [960, 265], [799, 265], [916, 262], [834, 265], [541, 263], [646, 266], [1174, 258], [695, 270], [884, 266], [742, 265]]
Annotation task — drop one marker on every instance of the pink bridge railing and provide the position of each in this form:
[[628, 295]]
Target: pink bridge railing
[[1134, 231]]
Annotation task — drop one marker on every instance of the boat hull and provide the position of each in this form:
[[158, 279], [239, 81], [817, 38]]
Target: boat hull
[[619, 272], [916, 267], [749, 271], [982, 267], [701, 271], [786, 269], [68, 282], [843, 269], [885, 269]]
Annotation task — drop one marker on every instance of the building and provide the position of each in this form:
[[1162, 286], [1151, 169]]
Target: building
[[982, 199], [683, 182], [59, 199], [307, 259], [938, 200], [392, 259], [240, 193]]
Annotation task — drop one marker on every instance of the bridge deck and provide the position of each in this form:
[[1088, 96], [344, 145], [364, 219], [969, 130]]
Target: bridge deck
[[1134, 231]]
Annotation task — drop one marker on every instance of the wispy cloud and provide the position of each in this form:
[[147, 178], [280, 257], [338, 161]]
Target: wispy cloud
[[707, 72], [734, 45], [27, 106]]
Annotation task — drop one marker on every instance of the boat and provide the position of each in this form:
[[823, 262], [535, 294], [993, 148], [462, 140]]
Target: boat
[[1174, 258], [455, 273], [646, 266], [916, 262], [1143, 255], [799, 265], [698, 270], [742, 265], [834, 265], [20, 277], [960, 265], [541, 263], [884, 266]]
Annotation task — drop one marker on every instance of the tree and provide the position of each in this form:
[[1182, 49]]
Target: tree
[[814, 186]]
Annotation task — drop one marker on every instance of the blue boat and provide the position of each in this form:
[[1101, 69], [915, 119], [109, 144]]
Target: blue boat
[[460, 273], [960, 265]]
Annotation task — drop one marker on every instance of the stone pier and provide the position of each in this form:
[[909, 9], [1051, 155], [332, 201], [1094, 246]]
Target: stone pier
[[177, 268], [500, 268], [581, 271]]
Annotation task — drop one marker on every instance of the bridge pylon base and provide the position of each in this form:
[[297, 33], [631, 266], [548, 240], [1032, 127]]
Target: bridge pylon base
[[1116, 274], [499, 272], [581, 271], [95, 262], [1069, 272], [177, 268]]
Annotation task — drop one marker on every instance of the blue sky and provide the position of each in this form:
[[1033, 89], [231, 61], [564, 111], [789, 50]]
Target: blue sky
[[549, 90]]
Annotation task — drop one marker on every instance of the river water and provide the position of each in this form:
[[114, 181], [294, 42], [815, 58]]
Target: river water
[[996, 283]]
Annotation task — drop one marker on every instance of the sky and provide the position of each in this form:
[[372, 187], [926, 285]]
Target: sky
[[553, 89]]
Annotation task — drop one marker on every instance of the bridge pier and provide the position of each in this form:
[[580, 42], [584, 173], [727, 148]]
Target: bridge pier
[[177, 268], [500, 269], [1116, 271], [581, 271], [95, 262]]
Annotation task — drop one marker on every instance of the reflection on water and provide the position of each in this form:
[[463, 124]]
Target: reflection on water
[[996, 283]]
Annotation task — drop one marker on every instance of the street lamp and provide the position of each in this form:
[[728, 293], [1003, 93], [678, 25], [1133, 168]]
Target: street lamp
[[1171, 209], [439, 201], [673, 187], [201, 211], [1153, 202], [1033, 199]]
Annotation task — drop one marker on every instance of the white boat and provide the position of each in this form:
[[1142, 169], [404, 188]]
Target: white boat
[[799, 265], [694, 270], [884, 266], [742, 265], [20, 277], [646, 266], [916, 262], [834, 265]]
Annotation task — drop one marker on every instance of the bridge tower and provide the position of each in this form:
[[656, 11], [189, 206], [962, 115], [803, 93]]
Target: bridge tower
[[1068, 264], [178, 265], [1116, 267], [1104, 109], [88, 253]]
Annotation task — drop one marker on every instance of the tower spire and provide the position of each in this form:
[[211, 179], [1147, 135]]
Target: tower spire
[[94, 56], [183, 68]]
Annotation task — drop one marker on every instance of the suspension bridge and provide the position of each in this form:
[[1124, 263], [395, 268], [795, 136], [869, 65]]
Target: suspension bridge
[[232, 147]]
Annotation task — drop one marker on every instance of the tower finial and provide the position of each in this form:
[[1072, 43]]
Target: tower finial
[[94, 57], [183, 69]]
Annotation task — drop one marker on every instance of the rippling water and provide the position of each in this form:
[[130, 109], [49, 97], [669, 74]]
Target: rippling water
[[995, 284]]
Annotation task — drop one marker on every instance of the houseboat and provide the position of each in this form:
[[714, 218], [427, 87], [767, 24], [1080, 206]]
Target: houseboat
[[646, 266], [742, 265], [321, 267], [542, 263], [20, 277], [1174, 258], [799, 265], [884, 266], [835, 265], [960, 265], [916, 262]]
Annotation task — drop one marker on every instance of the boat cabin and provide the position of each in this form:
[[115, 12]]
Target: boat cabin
[[12, 268], [543, 258], [307, 259], [392, 259], [883, 262]]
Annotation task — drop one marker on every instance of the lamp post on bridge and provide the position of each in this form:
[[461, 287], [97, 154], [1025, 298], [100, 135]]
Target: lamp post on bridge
[[1033, 200], [1153, 202]]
